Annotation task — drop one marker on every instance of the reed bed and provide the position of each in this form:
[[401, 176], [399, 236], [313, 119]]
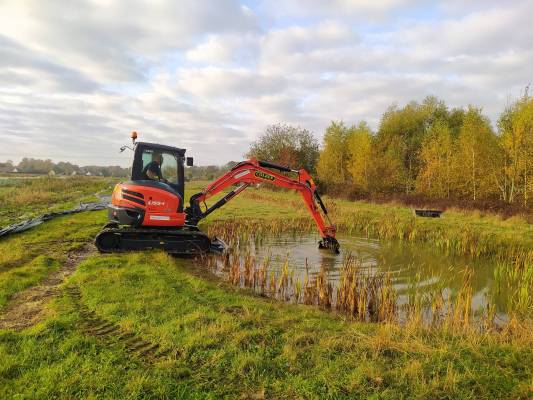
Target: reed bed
[[455, 233], [389, 226], [464, 240], [364, 296], [372, 297], [518, 281], [240, 233]]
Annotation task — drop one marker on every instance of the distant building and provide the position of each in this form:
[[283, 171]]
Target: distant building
[[88, 173], [52, 172], [73, 173], [15, 170]]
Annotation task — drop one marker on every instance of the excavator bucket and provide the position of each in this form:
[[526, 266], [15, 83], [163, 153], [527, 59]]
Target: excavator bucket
[[329, 243]]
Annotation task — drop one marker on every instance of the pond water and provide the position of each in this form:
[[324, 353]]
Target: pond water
[[411, 266]]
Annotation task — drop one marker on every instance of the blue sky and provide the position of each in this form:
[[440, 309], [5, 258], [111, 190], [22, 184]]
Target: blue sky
[[209, 75]]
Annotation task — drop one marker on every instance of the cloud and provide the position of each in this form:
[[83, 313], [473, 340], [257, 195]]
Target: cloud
[[228, 83], [21, 67], [358, 9], [118, 40], [209, 75], [225, 50]]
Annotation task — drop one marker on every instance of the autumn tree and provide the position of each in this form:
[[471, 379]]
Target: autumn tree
[[287, 145], [386, 173], [477, 150], [402, 131], [334, 157], [359, 147], [437, 157], [516, 140]]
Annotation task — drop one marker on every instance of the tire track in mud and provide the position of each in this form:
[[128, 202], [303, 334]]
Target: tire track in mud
[[26, 308], [112, 334]]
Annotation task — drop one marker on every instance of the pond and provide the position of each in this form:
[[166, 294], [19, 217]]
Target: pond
[[411, 267]]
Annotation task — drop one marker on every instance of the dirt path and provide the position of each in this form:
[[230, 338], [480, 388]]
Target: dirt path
[[27, 307]]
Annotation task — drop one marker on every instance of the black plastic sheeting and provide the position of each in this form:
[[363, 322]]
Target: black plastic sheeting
[[30, 223]]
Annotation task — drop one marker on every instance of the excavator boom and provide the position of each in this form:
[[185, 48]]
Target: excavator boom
[[252, 172]]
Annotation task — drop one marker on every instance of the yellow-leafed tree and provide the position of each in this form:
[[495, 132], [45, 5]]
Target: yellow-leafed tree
[[359, 143], [334, 156], [437, 156], [476, 155], [516, 140]]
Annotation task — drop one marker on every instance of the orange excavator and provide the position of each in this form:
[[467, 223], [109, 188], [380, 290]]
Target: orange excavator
[[148, 211]]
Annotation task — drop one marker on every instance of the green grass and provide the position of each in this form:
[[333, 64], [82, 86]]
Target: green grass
[[28, 197], [228, 343], [26, 258]]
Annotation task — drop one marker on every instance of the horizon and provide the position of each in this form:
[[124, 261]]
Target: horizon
[[209, 76]]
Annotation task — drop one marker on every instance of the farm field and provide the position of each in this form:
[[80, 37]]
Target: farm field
[[147, 325]]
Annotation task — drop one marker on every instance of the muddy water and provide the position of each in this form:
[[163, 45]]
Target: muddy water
[[411, 266]]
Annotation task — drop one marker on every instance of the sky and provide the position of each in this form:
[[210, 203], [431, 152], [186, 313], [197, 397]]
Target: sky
[[76, 77]]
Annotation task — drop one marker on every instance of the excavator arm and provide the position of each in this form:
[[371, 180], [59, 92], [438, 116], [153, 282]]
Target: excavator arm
[[252, 172]]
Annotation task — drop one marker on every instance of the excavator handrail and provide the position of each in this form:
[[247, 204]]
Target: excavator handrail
[[251, 172]]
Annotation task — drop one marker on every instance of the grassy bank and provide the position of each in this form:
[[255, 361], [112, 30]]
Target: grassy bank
[[217, 341], [222, 342], [27, 258]]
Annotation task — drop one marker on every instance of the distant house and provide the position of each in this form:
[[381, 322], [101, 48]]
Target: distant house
[[15, 170], [88, 173]]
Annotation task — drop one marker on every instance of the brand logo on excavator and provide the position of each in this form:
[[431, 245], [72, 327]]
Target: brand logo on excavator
[[262, 175]]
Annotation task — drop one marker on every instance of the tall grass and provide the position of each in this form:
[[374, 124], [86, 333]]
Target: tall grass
[[368, 297], [466, 239], [518, 281], [457, 232]]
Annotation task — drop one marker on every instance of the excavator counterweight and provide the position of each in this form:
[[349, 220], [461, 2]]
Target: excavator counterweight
[[148, 211]]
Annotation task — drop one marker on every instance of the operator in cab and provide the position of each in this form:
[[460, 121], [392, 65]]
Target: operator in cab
[[152, 170]]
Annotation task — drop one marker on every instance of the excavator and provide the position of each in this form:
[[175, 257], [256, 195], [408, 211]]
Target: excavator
[[148, 211]]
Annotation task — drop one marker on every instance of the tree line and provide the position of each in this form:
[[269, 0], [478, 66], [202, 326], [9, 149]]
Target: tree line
[[426, 149], [36, 166], [207, 173]]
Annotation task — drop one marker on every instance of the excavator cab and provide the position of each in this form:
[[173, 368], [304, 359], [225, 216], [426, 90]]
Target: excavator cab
[[171, 167], [147, 212]]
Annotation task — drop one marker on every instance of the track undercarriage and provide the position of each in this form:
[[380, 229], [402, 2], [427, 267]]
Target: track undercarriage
[[183, 241]]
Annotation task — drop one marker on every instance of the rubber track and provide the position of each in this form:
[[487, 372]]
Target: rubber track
[[111, 333], [171, 233]]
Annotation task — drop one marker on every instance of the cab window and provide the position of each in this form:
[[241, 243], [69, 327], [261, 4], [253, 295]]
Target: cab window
[[168, 166]]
